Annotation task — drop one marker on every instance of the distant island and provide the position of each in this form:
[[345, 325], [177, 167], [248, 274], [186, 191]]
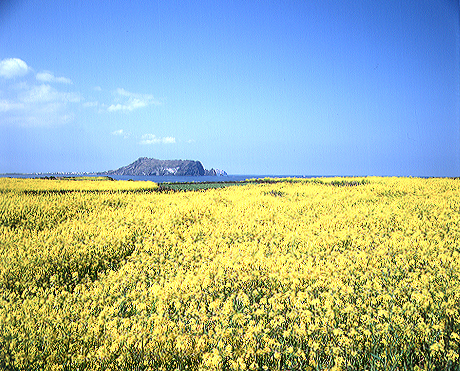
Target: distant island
[[151, 166]]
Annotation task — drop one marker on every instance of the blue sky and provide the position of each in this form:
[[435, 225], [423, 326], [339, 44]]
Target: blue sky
[[252, 87]]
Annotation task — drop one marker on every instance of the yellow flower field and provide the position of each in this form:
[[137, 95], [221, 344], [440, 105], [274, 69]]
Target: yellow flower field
[[306, 274]]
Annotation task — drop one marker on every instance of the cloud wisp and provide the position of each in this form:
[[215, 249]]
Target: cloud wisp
[[127, 101], [42, 98], [46, 93], [25, 102], [91, 104], [148, 139], [38, 105], [121, 133], [13, 67], [47, 76]]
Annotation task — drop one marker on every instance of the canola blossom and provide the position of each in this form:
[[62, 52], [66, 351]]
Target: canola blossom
[[309, 274]]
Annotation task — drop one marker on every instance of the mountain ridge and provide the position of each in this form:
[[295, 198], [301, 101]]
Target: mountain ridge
[[151, 166]]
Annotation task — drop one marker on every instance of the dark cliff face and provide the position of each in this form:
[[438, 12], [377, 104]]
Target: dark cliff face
[[151, 166]]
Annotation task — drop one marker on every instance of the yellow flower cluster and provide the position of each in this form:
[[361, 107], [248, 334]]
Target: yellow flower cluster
[[64, 185], [292, 275]]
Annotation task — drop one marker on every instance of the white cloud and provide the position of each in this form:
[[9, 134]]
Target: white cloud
[[13, 67], [152, 139], [46, 93], [116, 107], [45, 99], [34, 105], [131, 101], [38, 94], [27, 101], [169, 140], [47, 76], [90, 104], [7, 105], [121, 133], [125, 93]]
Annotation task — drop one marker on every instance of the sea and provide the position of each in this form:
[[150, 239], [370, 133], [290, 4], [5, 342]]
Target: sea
[[160, 179]]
